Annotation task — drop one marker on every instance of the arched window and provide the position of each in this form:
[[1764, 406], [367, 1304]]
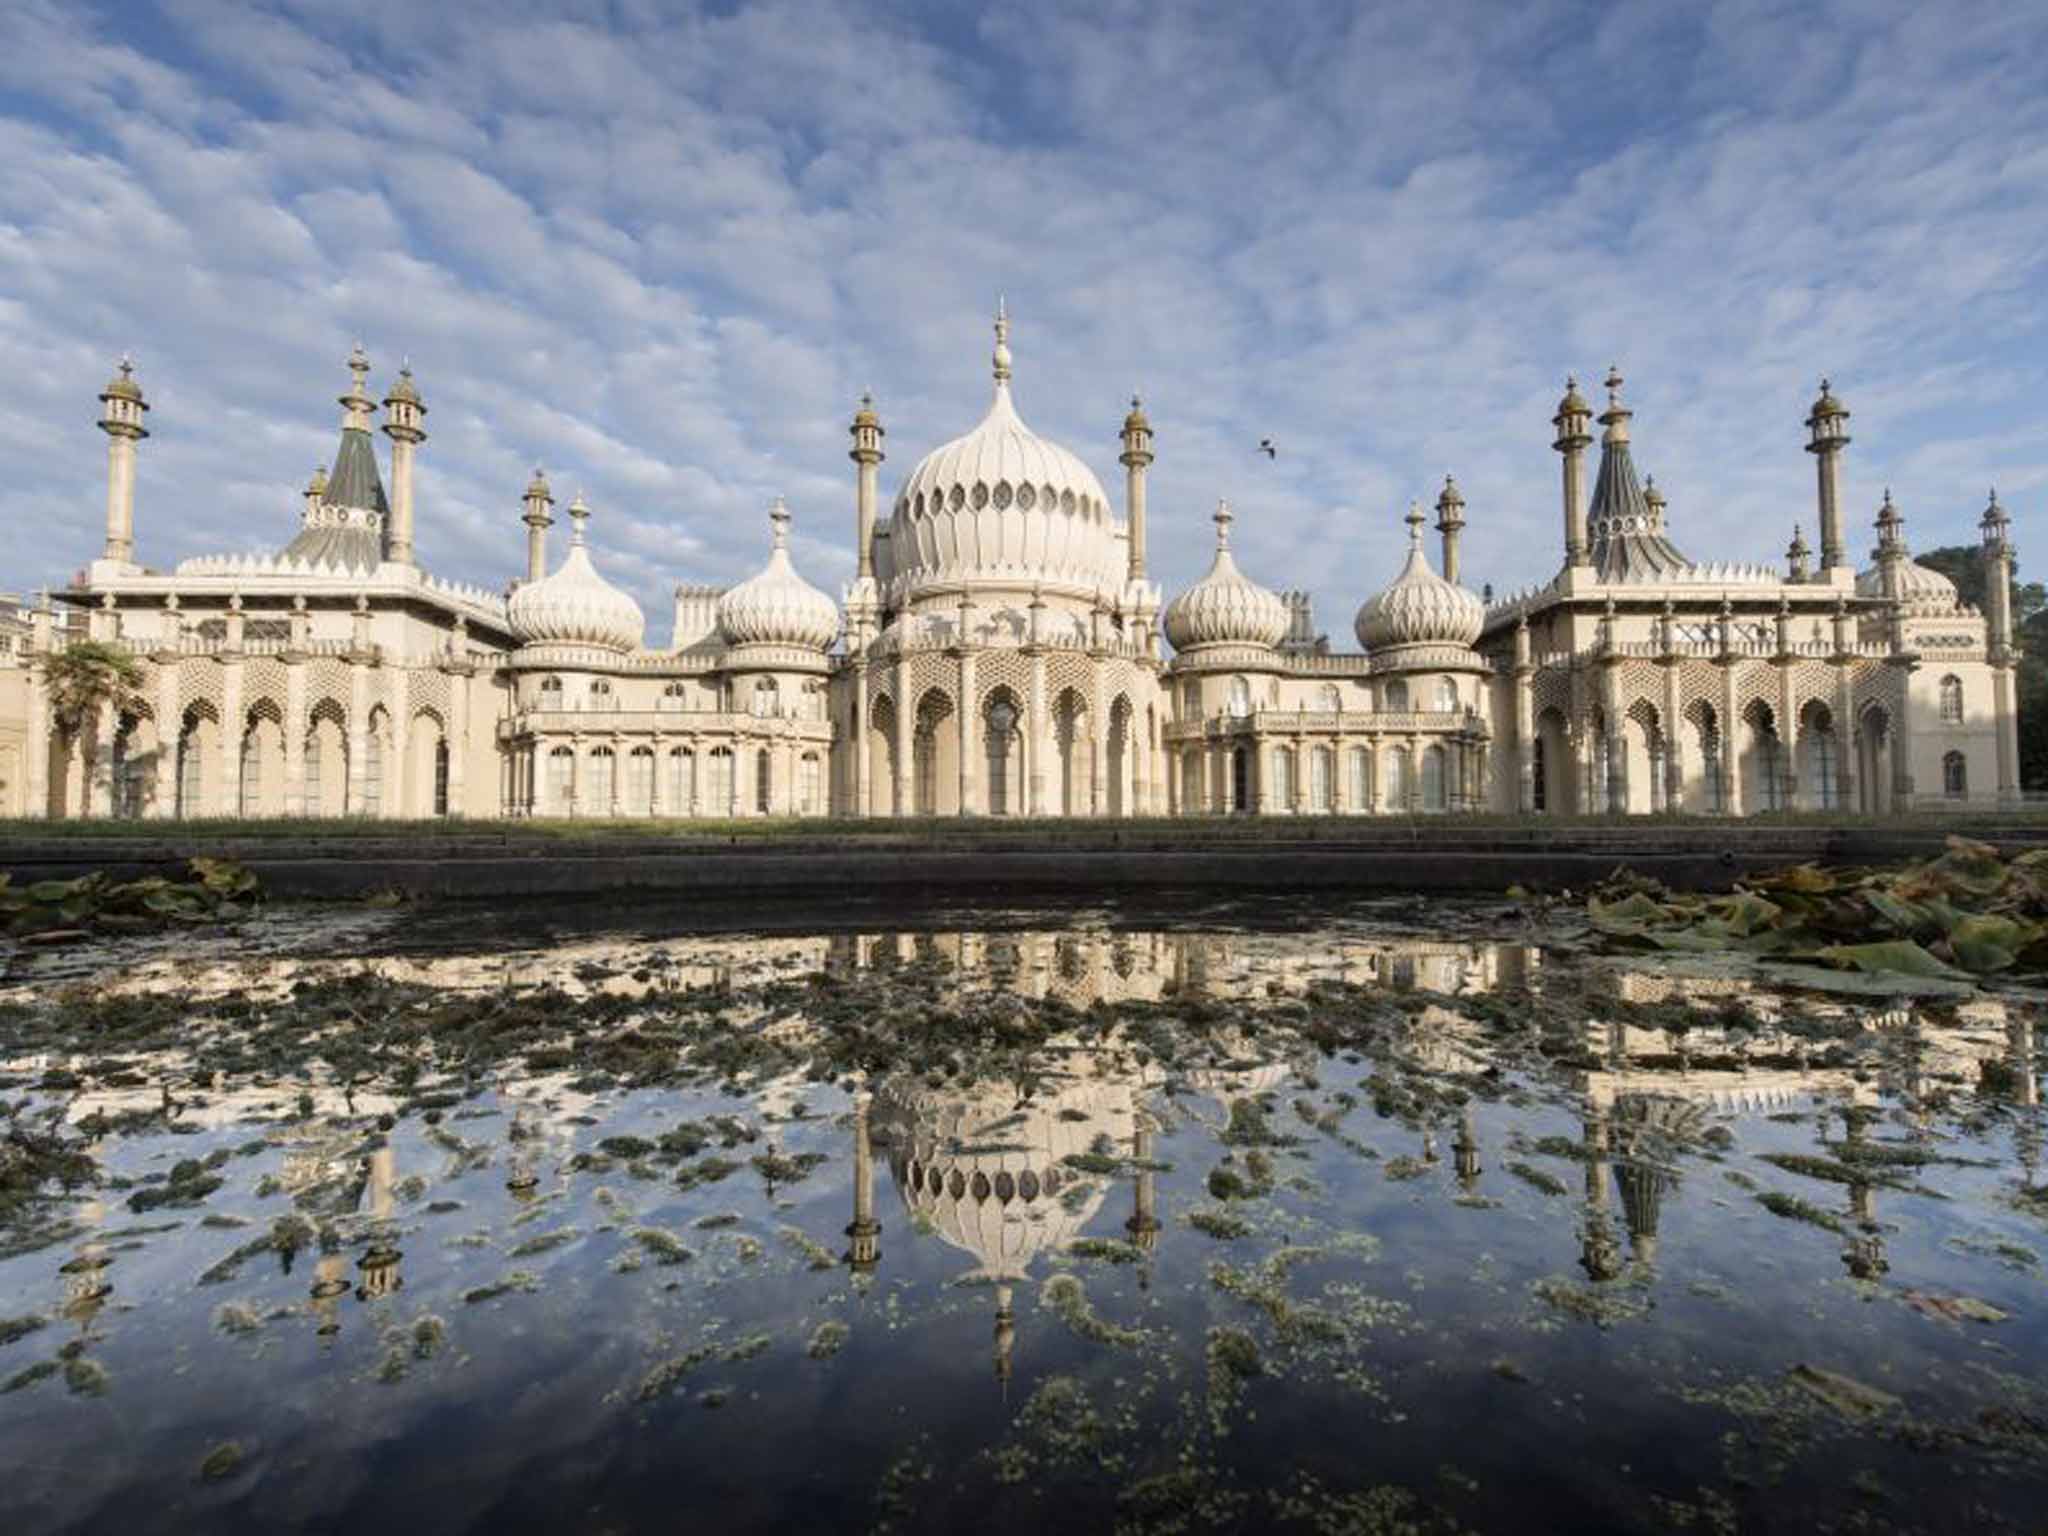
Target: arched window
[[1955, 776], [190, 758], [762, 780], [682, 781], [311, 800], [674, 696], [1319, 776], [1191, 784], [640, 781], [1240, 697], [598, 802], [252, 774], [1446, 696], [1329, 699], [1397, 696], [718, 782], [767, 701], [373, 766], [1280, 794], [809, 780], [1191, 701], [600, 694], [1397, 778], [1951, 700], [1360, 789], [1435, 787], [1539, 795], [1001, 745], [562, 780], [551, 692], [441, 777]]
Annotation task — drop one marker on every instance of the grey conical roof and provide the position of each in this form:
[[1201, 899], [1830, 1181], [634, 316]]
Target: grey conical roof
[[1628, 537], [356, 484]]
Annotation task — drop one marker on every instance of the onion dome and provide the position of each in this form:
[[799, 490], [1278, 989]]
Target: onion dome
[[1827, 404], [1226, 607], [1919, 587], [777, 606], [1137, 421], [1573, 403], [122, 385], [574, 605], [1003, 505], [403, 389], [1419, 607]]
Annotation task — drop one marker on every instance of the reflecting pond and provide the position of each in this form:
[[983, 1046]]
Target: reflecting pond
[[1381, 1217]]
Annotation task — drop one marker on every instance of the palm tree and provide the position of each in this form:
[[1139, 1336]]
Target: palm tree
[[83, 678]]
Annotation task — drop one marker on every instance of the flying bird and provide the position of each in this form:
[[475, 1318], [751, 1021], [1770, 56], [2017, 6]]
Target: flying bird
[[1268, 447]]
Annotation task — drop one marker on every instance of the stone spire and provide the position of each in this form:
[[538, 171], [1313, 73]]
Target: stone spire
[[1450, 522], [1136, 458], [867, 457], [1626, 523], [404, 413], [1571, 420], [1827, 435], [350, 525], [1796, 557], [538, 518]]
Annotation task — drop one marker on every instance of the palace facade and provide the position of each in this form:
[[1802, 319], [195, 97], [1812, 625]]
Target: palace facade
[[1002, 651]]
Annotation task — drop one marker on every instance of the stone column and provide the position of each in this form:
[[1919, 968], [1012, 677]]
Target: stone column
[[1525, 741], [233, 727], [1222, 778], [295, 735], [100, 783], [1673, 728], [1034, 737], [785, 798], [2006, 708], [900, 797], [168, 728], [36, 748], [358, 734], [1788, 736], [1375, 773], [1414, 775], [1731, 744], [458, 742], [970, 799], [1098, 775], [1902, 736], [399, 791]]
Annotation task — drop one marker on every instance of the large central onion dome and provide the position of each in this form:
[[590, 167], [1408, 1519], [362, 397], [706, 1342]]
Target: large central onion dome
[[1226, 607], [1419, 607], [1003, 506], [574, 605], [776, 606]]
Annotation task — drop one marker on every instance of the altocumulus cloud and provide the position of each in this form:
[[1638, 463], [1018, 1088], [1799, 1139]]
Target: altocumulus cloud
[[661, 251]]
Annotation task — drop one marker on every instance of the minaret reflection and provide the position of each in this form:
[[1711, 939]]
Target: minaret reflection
[[866, 1232], [1599, 1251], [1864, 1257], [379, 1263], [1465, 1151]]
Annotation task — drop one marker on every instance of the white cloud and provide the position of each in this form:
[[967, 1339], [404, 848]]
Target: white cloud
[[661, 252]]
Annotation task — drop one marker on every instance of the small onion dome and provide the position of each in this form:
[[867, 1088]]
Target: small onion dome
[[537, 487], [1573, 403], [1226, 607], [865, 416], [574, 605], [317, 486], [777, 606], [122, 385], [403, 388], [1419, 607], [1827, 404], [1137, 420]]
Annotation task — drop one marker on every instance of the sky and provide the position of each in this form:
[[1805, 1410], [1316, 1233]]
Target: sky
[[661, 249]]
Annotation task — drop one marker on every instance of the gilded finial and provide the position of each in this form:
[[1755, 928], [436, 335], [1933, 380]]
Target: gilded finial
[[778, 519], [1223, 517], [1414, 522], [1002, 355]]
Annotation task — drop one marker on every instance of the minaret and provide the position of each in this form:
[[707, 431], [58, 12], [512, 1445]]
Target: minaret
[[122, 408], [1136, 458], [867, 454], [1571, 420], [1890, 555], [1827, 435], [1998, 560], [865, 1251], [357, 405], [403, 413], [538, 519], [1450, 522], [1797, 555], [316, 492]]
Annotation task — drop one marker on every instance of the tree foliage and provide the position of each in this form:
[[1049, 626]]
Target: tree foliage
[[1963, 564], [85, 675]]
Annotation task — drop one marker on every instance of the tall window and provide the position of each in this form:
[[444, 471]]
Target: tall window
[[1435, 786], [1319, 779], [561, 780], [682, 781], [718, 782], [1191, 784], [1397, 778], [1002, 726], [809, 776], [1280, 794], [373, 771], [1952, 700], [765, 698], [551, 693], [1240, 697], [1710, 761], [1770, 766], [190, 756], [1329, 699], [441, 778], [1360, 794], [1539, 796], [1446, 696], [640, 781], [1827, 769], [312, 803], [1397, 696], [1955, 776], [252, 774], [762, 785], [599, 801], [1191, 701]]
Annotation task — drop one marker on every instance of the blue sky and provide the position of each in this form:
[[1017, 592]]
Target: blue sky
[[661, 250]]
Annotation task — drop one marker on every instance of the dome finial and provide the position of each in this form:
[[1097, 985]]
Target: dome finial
[[1414, 522], [579, 515], [778, 519], [1002, 357], [1223, 518]]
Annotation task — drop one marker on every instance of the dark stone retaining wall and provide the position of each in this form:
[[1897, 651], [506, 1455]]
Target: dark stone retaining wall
[[484, 862]]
